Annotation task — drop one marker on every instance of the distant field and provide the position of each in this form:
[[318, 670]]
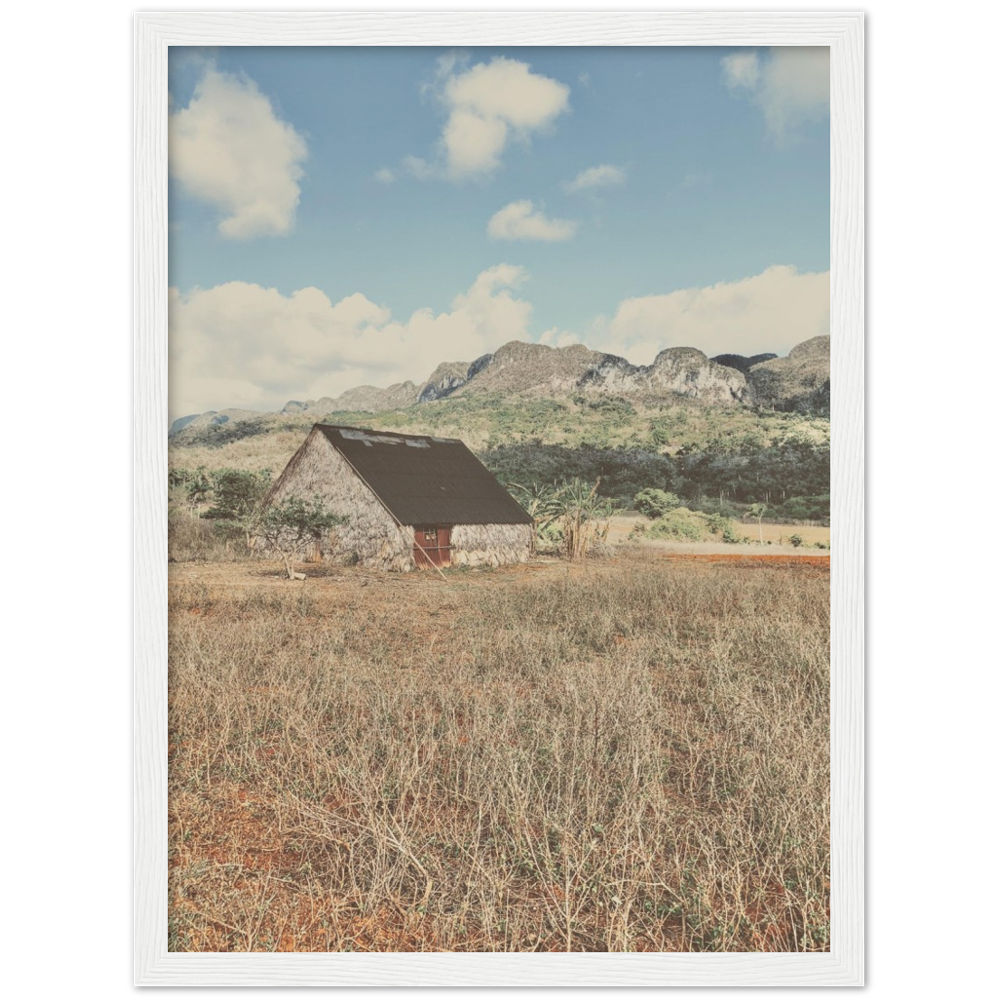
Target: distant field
[[624, 754], [777, 534], [780, 533]]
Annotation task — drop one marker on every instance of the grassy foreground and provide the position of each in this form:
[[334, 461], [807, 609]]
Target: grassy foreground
[[628, 754]]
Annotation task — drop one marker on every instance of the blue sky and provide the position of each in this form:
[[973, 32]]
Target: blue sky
[[350, 216]]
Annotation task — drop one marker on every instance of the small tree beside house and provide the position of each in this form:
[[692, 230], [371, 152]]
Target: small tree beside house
[[287, 525]]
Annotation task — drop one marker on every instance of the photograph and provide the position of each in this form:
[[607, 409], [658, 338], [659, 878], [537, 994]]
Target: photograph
[[498, 447]]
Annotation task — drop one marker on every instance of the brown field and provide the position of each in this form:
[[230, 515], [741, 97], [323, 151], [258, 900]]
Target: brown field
[[624, 754]]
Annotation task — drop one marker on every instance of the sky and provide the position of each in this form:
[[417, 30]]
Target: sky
[[354, 216]]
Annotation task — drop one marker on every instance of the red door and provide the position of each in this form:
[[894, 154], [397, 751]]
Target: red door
[[432, 547]]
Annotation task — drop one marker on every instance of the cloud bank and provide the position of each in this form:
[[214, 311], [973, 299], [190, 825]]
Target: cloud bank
[[772, 311], [230, 150], [242, 345], [791, 85]]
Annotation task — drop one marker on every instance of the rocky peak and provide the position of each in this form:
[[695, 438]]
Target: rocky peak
[[815, 349], [444, 380], [531, 368], [369, 399], [681, 371], [479, 364], [741, 363], [688, 372], [799, 382]]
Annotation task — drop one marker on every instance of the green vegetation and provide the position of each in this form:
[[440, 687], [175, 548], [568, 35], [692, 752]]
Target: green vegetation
[[488, 421], [681, 524], [656, 503], [584, 517], [230, 500], [571, 516], [713, 459], [805, 509], [623, 473], [236, 497], [703, 480], [217, 435]]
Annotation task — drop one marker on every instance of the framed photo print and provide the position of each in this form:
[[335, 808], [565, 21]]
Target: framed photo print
[[499, 464]]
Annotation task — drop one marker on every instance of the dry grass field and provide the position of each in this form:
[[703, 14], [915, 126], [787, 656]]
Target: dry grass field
[[625, 754]]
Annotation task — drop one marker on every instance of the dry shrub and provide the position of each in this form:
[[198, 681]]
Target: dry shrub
[[193, 539], [623, 755]]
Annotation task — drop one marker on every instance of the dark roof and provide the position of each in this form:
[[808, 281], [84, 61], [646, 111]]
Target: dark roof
[[426, 480]]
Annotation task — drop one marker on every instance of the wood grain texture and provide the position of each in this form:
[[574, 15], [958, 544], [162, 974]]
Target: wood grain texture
[[153, 33], [498, 28]]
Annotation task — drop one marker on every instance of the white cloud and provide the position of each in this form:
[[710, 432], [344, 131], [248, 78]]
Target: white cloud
[[474, 142], [772, 311], [446, 63], [558, 338], [419, 168], [242, 345], [507, 89], [385, 175], [520, 221], [487, 104], [791, 86], [742, 69], [602, 176], [228, 148]]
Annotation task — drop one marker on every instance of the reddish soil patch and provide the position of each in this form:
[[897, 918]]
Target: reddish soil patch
[[822, 562]]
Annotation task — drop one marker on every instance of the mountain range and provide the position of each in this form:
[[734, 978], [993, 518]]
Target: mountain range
[[798, 382]]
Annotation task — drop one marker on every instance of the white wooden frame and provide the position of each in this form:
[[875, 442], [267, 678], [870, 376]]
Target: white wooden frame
[[153, 33]]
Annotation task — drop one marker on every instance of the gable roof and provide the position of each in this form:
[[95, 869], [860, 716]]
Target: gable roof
[[425, 480]]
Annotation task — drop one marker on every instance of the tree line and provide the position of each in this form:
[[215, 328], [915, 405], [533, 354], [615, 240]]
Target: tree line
[[792, 477]]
